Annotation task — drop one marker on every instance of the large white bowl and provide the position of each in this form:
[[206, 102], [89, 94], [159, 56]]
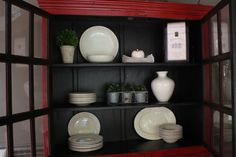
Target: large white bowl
[[98, 40], [100, 58]]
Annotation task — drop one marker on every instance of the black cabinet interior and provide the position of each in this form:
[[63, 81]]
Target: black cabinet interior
[[132, 33]]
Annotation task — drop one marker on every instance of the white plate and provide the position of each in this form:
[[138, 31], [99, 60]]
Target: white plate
[[86, 139], [82, 99], [85, 149], [76, 145], [83, 123], [98, 40], [82, 95], [147, 121], [100, 58]]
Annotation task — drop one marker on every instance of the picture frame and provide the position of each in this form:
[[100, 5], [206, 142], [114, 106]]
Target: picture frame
[[177, 42]]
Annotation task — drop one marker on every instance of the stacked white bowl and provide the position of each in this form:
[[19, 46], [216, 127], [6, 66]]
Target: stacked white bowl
[[85, 142], [170, 133], [82, 99]]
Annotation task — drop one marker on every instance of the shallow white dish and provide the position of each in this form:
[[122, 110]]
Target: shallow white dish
[[82, 95], [147, 121], [86, 139], [98, 40], [84, 123], [100, 58], [85, 149]]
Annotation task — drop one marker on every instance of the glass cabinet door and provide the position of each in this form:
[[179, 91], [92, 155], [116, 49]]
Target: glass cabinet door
[[218, 111]]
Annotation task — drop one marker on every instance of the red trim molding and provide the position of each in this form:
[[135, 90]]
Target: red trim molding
[[134, 8]]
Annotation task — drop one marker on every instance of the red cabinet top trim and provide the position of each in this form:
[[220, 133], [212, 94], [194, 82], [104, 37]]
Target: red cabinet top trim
[[135, 8]]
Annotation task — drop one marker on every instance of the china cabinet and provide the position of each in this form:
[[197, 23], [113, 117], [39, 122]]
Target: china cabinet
[[201, 102]]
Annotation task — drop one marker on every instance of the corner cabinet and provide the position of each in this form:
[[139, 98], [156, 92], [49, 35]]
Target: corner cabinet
[[134, 31]]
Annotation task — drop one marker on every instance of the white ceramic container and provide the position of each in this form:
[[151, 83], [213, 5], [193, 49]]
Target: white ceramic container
[[67, 52], [162, 86]]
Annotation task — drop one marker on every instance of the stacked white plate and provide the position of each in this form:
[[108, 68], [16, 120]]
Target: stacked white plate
[[82, 99], [85, 142], [170, 133]]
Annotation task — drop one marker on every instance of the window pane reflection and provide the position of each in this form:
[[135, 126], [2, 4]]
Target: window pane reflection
[[3, 141], [37, 36], [2, 27], [40, 87], [21, 138], [225, 29], [215, 83], [214, 36], [226, 84], [206, 89], [227, 145], [205, 29], [206, 125], [20, 31], [20, 88], [41, 128], [2, 89], [216, 131]]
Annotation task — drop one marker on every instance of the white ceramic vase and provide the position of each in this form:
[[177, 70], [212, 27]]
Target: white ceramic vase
[[67, 52], [162, 86]]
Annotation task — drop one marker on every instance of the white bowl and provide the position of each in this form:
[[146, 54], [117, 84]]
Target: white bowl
[[170, 140], [100, 58]]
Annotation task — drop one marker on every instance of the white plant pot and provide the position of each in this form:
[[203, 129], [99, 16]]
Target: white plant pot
[[162, 86], [67, 52]]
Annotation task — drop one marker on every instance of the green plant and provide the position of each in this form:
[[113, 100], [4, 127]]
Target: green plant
[[114, 87], [127, 87], [67, 37], [140, 88]]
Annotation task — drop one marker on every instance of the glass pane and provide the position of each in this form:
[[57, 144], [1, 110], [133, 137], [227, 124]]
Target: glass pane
[[216, 131], [206, 76], [227, 145], [41, 128], [225, 29], [215, 83], [2, 27], [205, 29], [22, 138], [2, 89], [20, 88], [207, 122], [20, 31], [214, 36], [40, 87], [3, 141], [33, 2], [226, 84], [40, 37]]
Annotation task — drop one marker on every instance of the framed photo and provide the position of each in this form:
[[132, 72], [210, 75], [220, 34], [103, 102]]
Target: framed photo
[[177, 42]]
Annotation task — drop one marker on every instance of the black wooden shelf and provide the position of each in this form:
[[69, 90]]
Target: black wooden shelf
[[173, 64], [104, 105], [125, 147]]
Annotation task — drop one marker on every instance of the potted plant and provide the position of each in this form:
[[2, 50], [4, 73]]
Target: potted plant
[[127, 93], [113, 93], [67, 40], [140, 94]]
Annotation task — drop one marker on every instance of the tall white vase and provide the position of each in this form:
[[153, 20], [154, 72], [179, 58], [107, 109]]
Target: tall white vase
[[162, 86]]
